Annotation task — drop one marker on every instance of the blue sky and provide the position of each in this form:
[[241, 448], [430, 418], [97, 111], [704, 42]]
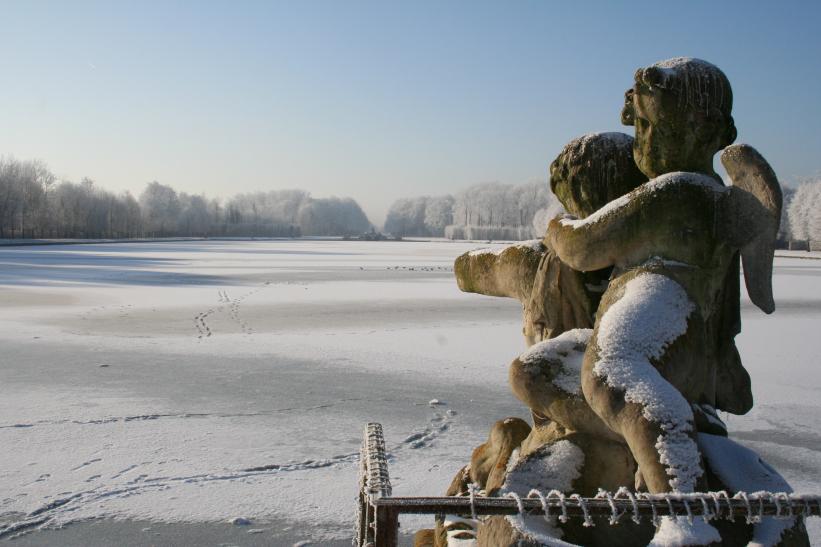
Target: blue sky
[[376, 100]]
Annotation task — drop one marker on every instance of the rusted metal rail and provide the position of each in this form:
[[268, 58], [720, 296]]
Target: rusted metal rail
[[378, 511]]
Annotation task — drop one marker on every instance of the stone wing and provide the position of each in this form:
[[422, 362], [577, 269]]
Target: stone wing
[[755, 213]]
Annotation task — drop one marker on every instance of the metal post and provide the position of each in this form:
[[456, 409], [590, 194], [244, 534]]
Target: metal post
[[387, 527], [375, 527]]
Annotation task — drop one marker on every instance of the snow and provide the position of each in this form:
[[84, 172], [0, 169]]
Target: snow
[[486, 250], [553, 467], [742, 470], [639, 327], [678, 532], [567, 349], [167, 432], [617, 138], [709, 412], [678, 177], [696, 81], [598, 149], [459, 530], [531, 244]]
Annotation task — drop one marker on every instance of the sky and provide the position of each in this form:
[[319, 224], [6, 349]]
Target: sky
[[376, 100]]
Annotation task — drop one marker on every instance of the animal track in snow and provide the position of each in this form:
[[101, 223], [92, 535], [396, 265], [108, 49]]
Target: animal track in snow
[[201, 325], [233, 305], [86, 464], [437, 425], [61, 509], [184, 415]]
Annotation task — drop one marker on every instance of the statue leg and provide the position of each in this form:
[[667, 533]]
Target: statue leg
[[661, 439], [546, 379]]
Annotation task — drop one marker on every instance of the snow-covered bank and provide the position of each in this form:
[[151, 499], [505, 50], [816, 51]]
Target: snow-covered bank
[[205, 380]]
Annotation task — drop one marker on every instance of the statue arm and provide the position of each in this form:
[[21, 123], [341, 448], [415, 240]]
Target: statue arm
[[586, 246], [509, 272], [671, 216]]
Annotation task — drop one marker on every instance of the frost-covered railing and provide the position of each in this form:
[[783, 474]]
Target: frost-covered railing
[[378, 511], [374, 484]]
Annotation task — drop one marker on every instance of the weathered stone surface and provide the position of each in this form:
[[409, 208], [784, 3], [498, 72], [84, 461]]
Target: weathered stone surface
[[593, 170], [509, 272], [589, 172], [547, 379], [486, 472], [489, 460], [755, 213], [651, 270], [681, 109], [672, 226]]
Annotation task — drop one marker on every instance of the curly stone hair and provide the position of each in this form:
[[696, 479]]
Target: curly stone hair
[[593, 170]]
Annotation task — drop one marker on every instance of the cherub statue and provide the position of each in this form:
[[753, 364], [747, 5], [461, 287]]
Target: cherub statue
[[661, 358], [559, 304], [590, 171], [662, 339], [672, 243]]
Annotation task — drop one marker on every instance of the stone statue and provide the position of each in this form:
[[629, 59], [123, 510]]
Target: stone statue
[[630, 306], [589, 172], [559, 305], [672, 243]]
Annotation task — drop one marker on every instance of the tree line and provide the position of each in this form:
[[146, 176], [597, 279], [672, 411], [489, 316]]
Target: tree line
[[504, 211], [482, 211], [34, 204]]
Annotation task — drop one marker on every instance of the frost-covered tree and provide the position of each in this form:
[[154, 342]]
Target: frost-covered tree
[[439, 214], [406, 217], [544, 215], [160, 206], [271, 213], [33, 204], [420, 216], [500, 211], [804, 212], [24, 187], [784, 227], [195, 219], [332, 217]]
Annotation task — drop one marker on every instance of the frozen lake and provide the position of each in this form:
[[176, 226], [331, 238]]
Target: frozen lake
[[143, 382]]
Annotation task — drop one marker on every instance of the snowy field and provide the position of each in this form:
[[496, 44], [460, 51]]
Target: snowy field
[[166, 388]]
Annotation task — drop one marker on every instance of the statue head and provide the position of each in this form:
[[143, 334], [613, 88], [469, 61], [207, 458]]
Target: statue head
[[681, 109], [593, 170]]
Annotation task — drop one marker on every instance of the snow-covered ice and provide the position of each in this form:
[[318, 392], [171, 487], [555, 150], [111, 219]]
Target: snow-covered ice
[[240, 374]]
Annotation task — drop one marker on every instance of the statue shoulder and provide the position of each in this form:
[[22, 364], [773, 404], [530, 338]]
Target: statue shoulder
[[684, 190]]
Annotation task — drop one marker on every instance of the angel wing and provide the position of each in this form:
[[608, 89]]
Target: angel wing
[[754, 216]]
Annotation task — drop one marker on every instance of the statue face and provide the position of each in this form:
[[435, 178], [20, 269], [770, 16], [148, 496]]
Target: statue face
[[663, 141], [672, 134]]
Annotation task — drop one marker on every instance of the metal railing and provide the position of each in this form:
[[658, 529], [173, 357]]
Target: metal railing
[[378, 510]]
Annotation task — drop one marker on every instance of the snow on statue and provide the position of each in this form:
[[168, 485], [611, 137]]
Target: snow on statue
[[633, 306]]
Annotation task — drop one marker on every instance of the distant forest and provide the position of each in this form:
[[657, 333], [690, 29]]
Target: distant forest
[[482, 211], [508, 212], [33, 204]]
